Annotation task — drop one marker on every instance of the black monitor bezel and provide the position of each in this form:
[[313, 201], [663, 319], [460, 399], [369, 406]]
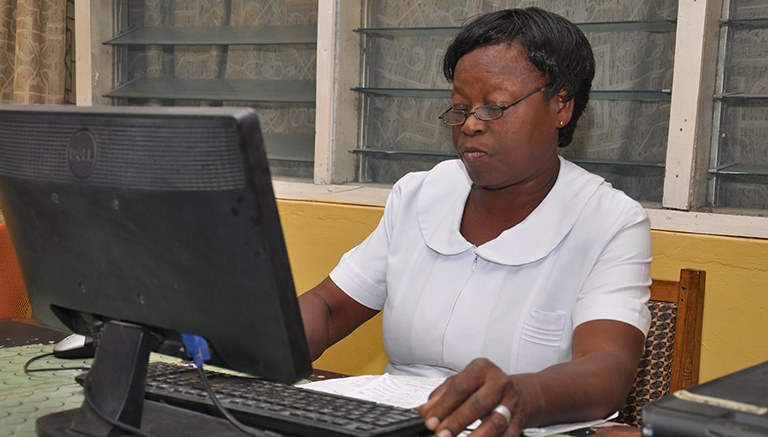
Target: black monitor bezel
[[27, 194]]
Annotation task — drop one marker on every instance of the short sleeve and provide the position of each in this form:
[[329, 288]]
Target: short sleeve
[[362, 272], [617, 286]]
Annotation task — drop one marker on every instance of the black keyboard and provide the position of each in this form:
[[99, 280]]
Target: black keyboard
[[280, 407]]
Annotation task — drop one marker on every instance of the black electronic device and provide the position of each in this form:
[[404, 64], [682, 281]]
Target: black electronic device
[[295, 411], [734, 405], [134, 225]]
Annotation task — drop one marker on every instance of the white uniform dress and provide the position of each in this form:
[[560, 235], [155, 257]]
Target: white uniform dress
[[583, 254]]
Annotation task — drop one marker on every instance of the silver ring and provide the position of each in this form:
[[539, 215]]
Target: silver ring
[[504, 411]]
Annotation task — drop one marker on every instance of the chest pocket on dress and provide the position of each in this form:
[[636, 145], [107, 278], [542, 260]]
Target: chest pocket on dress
[[541, 338]]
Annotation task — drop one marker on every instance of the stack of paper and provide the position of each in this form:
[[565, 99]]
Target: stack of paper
[[412, 391]]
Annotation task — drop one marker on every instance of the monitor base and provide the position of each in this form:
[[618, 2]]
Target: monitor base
[[157, 420], [114, 387]]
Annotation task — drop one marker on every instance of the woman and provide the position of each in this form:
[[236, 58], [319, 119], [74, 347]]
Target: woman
[[514, 272]]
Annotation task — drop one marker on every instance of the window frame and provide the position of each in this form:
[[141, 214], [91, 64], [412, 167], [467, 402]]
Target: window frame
[[339, 68]]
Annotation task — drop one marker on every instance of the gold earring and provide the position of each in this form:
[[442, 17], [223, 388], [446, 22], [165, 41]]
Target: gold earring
[[562, 123]]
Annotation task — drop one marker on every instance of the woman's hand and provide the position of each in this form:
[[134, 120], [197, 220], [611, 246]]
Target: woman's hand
[[474, 393], [591, 386]]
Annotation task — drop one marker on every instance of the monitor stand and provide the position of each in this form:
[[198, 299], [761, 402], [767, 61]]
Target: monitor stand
[[115, 387]]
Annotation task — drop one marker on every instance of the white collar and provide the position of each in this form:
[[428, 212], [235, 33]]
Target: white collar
[[445, 191]]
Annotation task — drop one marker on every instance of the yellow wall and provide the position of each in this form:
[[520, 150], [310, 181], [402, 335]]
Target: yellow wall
[[736, 300], [735, 333], [317, 234]]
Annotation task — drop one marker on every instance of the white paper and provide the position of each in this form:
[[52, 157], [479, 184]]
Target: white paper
[[339, 386], [398, 390], [412, 391], [564, 427]]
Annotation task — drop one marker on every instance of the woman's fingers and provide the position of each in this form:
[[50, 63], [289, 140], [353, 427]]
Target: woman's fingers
[[480, 391]]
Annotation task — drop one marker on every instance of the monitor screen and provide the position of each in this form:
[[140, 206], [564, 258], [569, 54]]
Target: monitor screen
[[162, 218]]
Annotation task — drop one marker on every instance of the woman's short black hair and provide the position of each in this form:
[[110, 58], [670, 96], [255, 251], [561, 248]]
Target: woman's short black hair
[[554, 45]]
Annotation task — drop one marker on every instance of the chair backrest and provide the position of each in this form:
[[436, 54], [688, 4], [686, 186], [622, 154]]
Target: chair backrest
[[13, 294], [673, 345]]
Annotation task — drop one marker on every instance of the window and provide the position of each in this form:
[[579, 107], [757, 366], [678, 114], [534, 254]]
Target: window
[[738, 175], [677, 118], [254, 53], [622, 136]]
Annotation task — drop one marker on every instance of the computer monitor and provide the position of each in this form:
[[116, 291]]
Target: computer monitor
[[137, 224]]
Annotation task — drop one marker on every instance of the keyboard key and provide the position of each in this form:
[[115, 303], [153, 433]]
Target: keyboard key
[[280, 407]]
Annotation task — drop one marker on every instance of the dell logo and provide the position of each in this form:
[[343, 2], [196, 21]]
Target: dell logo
[[81, 154]]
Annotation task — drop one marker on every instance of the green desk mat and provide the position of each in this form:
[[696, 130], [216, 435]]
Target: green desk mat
[[25, 397]]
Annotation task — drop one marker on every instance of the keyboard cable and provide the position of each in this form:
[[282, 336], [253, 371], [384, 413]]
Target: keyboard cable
[[28, 370], [197, 349], [204, 380], [88, 399], [224, 412], [136, 431], [106, 418]]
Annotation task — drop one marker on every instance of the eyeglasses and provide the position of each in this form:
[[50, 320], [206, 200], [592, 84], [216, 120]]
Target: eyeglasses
[[457, 117]]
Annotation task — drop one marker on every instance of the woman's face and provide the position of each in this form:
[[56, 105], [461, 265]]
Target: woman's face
[[521, 146]]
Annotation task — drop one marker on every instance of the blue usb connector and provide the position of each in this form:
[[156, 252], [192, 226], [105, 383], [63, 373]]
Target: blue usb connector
[[196, 347]]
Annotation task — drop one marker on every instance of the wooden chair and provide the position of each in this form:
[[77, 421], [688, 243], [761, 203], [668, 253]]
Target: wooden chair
[[673, 345]]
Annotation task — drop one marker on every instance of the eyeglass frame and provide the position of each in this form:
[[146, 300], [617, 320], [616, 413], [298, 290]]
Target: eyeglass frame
[[501, 108]]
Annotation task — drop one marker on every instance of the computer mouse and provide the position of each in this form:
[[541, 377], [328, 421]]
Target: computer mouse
[[74, 346]]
